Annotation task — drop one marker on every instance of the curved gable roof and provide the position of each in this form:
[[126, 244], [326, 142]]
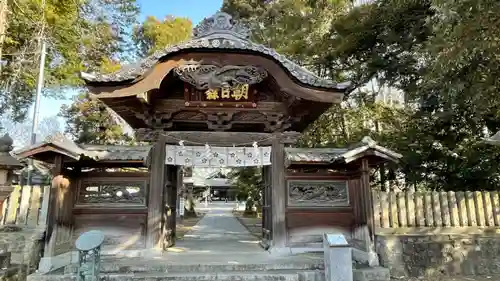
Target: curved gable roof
[[66, 147], [221, 33]]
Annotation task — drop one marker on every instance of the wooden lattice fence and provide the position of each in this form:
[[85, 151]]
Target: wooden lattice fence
[[436, 209]]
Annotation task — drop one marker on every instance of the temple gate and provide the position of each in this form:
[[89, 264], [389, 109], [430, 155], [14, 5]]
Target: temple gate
[[216, 95], [218, 89]]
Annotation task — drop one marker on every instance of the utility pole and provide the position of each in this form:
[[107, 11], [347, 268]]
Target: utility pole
[[3, 27], [39, 87]]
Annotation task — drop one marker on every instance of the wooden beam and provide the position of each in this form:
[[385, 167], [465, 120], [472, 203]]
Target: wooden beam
[[219, 138], [155, 195], [278, 196]]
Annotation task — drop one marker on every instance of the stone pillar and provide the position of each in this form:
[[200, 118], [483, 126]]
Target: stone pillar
[[170, 214], [278, 187], [338, 258], [155, 194]]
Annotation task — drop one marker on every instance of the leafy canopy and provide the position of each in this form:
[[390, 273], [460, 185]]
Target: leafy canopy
[[441, 55], [80, 34], [89, 120], [154, 35]]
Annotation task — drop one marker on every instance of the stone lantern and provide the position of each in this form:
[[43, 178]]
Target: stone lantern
[[7, 166]]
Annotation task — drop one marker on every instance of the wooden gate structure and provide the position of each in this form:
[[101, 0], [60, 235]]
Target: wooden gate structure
[[221, 89]]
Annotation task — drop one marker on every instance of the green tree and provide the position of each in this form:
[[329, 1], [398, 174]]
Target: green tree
[[80, 35], [153, 35], [439, 54], [376, 42], [248, 183], [458, 98], [295, 28], [90, 121]]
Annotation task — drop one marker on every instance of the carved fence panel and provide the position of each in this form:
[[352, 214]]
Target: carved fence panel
[[26, 205], [436, 209]]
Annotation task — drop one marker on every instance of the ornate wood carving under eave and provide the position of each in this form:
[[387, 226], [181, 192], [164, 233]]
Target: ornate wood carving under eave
[[273, 115], [217, 138], [204, 77], [217, 120], [176, 104], [156, 120], [279, 121], [316, 193], [156, 75]]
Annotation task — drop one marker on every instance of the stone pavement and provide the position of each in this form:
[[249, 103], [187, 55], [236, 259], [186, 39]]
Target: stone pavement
[[219, 231], [219, 238]]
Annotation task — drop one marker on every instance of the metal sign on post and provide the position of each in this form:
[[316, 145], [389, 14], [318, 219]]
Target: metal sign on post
[[337, 257], [89, 255]]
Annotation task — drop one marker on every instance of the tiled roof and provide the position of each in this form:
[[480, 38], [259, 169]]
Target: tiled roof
[[319, 155], [210, 34], [340, 155], [96, 152], [140, 153], [118, 152]]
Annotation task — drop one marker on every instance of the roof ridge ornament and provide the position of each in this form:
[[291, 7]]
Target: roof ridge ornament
[[367, 140], [221, 22]]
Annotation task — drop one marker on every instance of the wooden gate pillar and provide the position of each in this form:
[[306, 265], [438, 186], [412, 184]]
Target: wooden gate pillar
[[59, 223], [367, 201], [155, 194], [278, 193], [364, 231], [170, 214]]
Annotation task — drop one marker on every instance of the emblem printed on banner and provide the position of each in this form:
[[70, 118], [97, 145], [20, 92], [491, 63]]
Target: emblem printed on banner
[[199, 156]]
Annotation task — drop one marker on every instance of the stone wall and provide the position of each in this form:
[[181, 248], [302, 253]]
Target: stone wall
[[433, 255], [25, 244]]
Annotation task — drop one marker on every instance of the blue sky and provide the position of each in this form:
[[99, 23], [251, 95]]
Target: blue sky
[[196, 10]]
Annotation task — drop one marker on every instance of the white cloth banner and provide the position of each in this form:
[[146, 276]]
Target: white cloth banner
[[200, 156], [181, 206]]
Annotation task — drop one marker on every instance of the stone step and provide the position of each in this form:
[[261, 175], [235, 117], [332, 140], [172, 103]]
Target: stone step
[[162, 267], [359, 274], [220, 276]]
